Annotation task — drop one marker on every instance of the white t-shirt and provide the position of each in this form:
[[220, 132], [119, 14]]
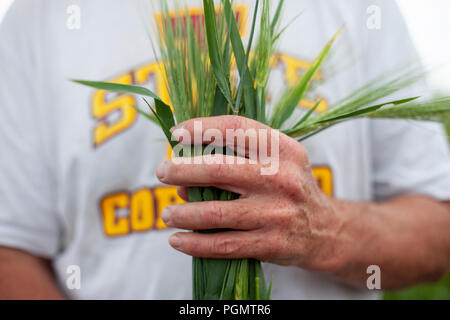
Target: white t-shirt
[[77, 167]]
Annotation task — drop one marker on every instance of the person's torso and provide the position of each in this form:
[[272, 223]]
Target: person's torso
[[106, 155]]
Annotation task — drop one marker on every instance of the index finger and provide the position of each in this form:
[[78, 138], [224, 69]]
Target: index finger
[[243, 135]]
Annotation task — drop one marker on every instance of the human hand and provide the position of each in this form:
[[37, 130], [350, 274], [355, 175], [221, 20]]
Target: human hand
[[282, 218]]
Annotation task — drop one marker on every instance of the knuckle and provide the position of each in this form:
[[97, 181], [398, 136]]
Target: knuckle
[[243, 212], [297, 151], [234, 122], [275, 181], [293, 189], [289, 183], [223, 247], [216, 171], [274, 250], [285, 218], [215, 214], [300, 151], [289, 144]]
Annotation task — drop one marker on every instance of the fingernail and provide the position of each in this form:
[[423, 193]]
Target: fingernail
[[175, 241], [165, 215], [161, 172]]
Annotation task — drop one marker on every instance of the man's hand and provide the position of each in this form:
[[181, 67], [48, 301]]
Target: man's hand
[[287, 220], [283, 218]]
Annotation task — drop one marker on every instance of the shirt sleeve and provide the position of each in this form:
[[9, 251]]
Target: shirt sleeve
[[409, 157], [28, 219]]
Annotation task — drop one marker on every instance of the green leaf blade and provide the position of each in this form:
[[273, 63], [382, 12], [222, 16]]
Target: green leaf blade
[[118, 88], [285, 108], [216, 58]]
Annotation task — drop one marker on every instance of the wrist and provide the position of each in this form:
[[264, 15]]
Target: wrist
[[349, 229]]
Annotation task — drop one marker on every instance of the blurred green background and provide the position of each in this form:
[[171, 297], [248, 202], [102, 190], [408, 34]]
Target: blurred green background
[[439, 291]]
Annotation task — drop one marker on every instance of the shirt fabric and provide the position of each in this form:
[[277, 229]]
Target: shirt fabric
[[77, 166]]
